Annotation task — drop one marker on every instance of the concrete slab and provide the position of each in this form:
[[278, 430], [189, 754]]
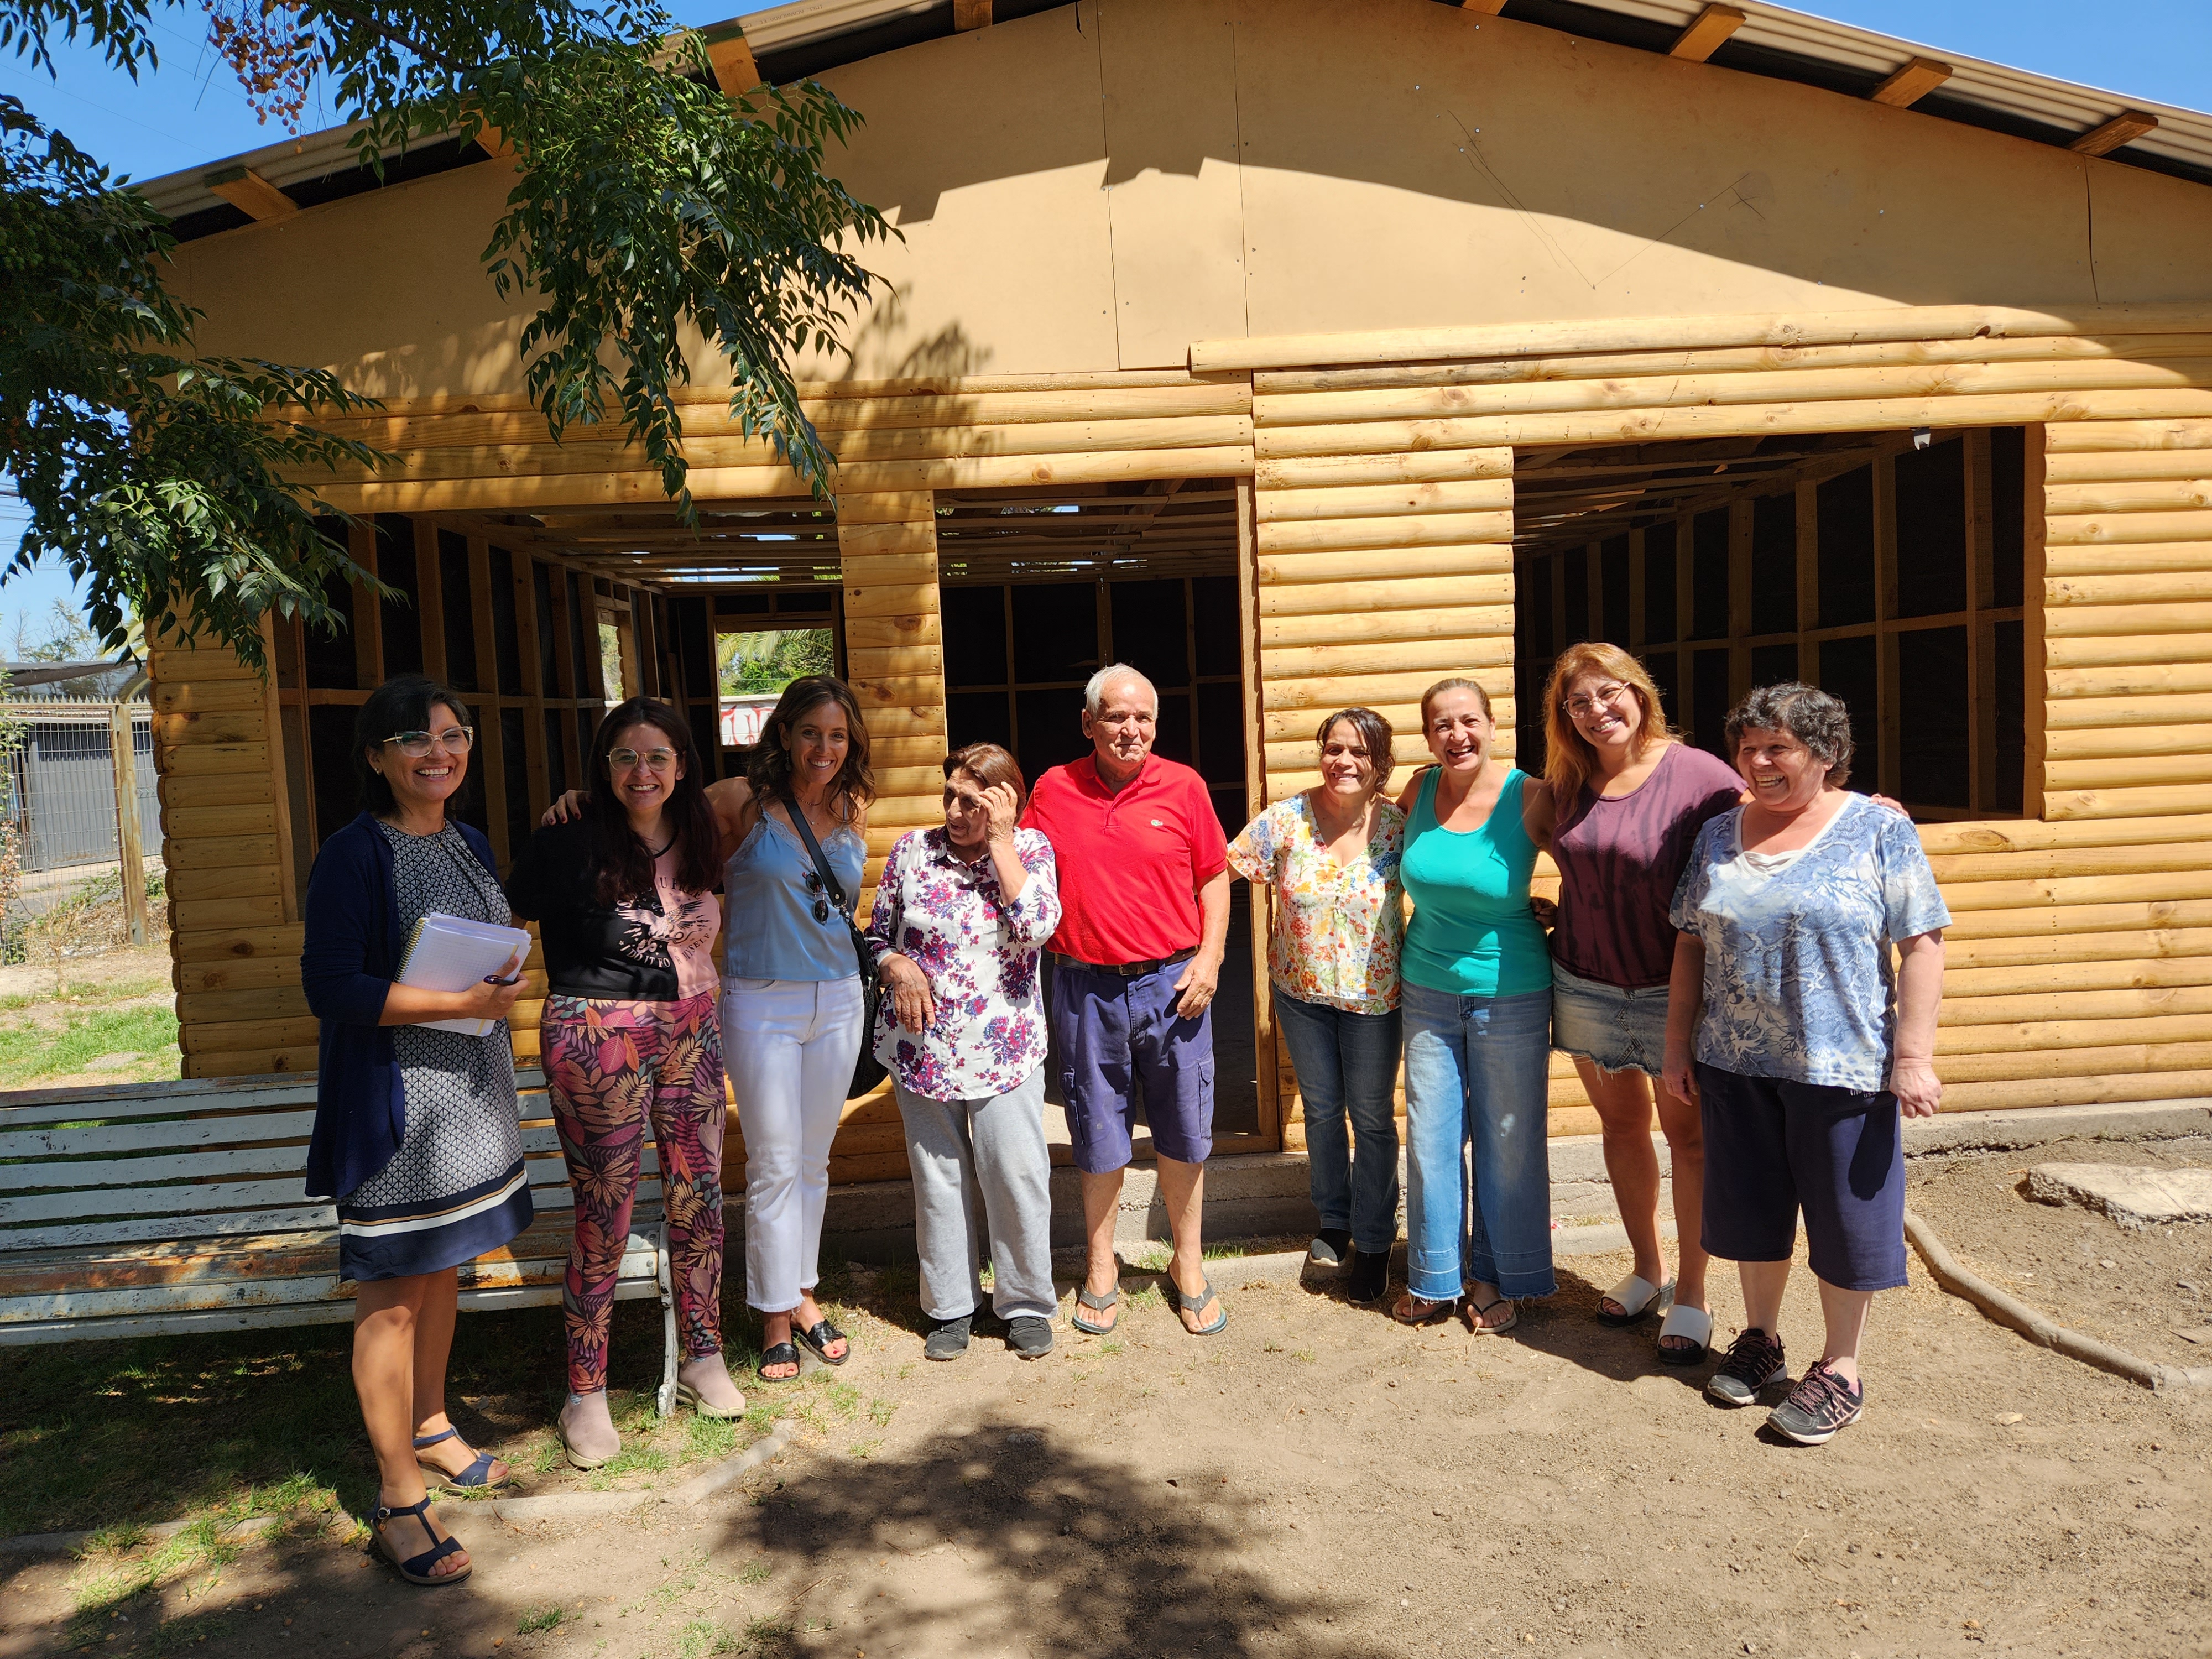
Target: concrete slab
[[2131, 1194]]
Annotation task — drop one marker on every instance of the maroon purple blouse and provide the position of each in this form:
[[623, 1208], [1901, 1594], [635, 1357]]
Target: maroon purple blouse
[[1620, 858]]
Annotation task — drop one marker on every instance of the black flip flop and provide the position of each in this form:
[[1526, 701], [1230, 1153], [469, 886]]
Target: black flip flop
[[782, 1354], [820, 1338], [1437, 1313]]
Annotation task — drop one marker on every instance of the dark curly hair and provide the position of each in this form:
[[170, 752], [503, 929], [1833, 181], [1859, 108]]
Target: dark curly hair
[[1374, 736], [399, 705], [767, 765], [621, 863], [1808, 713]]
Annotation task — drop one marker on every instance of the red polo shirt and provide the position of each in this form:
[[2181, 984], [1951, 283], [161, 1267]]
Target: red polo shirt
[[1130, 865]]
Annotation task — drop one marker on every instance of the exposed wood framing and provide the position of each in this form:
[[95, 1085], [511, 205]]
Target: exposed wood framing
[[970, 14], [735, 72], [1917, 78], [1706, 32], [2123, 129], [252, 194]]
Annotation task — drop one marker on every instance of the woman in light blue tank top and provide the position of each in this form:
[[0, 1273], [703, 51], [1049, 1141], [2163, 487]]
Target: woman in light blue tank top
[[1476, 991], [791, 1006]]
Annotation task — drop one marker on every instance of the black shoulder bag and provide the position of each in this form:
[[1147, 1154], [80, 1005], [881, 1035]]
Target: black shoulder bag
[[867, 1070]]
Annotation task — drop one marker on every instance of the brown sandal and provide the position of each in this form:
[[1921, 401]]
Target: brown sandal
[[1402, 1310]]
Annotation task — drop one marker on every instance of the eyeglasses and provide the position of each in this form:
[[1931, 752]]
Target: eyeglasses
[[813, 880], [1604, 697], [454, 740], [653, 760]]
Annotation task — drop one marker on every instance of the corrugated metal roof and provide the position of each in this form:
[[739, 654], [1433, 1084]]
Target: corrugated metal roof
[[2183, 136], [1774, 40]]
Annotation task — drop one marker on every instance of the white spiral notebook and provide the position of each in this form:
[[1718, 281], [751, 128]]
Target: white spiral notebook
[[452, 953]]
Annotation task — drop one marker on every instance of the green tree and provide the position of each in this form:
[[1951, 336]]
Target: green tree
[[755, 663], [646, 203]]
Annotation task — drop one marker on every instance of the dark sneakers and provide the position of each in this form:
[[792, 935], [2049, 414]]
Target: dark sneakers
[[1369, 1278], [948, 1339], [1755, 1361], [1821, 1403], [1030, 1336], [1330, 1248]]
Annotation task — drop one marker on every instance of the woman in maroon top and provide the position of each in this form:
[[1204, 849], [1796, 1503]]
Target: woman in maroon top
[[1627, 802]]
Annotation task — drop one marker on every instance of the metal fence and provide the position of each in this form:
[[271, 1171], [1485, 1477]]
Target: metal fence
[[60, 783]]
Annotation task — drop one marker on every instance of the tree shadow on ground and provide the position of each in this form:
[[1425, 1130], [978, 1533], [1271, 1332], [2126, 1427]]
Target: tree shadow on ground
[[1004, 1537], [1564, 1324]]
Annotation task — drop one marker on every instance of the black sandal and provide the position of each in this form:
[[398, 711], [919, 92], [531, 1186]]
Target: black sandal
[[416, 1568], [782, 1354], [820, 1338]]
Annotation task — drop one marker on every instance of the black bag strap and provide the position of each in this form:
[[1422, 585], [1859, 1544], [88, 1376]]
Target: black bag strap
[[831, 884]]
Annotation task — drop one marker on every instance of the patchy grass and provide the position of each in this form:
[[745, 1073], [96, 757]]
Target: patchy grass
[[541, 1619], [31, 1049], [119, 1434]]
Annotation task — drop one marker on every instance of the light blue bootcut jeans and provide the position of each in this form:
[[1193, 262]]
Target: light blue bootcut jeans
[[1348, 1063], [1476, 1078]]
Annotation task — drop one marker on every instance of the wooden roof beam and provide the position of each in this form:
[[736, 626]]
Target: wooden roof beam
[[2124, 128], [251, 194], [1706, 32], [970, 14], [1919, 77], [735, 72], [1486, 8]]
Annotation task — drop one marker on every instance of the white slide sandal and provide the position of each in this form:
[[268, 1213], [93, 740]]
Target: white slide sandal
[[1696, 1324], [1638, 1297]]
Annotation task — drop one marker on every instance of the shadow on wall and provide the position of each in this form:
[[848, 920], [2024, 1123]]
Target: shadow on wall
[[880, 350]]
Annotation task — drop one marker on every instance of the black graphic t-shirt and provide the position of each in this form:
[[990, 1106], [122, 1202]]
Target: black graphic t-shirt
[[654, 947]]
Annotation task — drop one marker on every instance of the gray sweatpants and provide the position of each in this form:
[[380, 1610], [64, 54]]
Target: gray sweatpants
[[955, 1146]]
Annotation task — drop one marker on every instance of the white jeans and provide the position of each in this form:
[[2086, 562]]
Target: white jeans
[[789, 1046]]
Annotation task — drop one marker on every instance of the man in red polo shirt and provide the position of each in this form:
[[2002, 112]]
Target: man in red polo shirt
[[1144, 895]]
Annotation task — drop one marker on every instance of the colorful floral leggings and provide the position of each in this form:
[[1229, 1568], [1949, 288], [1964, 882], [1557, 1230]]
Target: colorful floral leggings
[[610, 1064]]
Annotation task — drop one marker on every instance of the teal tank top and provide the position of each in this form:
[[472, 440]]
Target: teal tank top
[[1472, 933], [770, 930]]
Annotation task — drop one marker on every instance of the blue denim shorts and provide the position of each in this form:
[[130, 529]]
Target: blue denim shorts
[[1111, 1033], [1615, 1030]]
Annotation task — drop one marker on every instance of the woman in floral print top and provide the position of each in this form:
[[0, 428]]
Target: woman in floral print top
[[962, 915], [1329, 857]]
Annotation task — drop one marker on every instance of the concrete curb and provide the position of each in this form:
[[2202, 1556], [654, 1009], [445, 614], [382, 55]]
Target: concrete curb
[[554, 1506]]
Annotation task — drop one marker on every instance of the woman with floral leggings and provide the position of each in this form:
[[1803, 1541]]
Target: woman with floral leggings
[[623, 893]]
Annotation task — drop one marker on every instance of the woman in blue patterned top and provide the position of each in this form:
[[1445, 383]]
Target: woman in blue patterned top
[[1808, 1048]]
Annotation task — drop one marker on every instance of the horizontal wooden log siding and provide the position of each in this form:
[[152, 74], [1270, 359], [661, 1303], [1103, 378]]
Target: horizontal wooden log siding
[[980, 432], [2082, 955], [227, 839]]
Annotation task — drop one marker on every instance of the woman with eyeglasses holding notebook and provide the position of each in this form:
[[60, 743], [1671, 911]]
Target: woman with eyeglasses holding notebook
[[624, 894], [416, 1135]]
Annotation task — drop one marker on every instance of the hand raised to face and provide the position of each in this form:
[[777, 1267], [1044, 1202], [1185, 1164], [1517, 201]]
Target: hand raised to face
[[1004, 807]]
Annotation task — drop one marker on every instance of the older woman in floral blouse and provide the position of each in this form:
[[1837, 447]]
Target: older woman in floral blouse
[[1330, 856], [962, 913]]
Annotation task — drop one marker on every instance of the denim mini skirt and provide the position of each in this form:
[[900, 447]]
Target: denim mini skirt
[[1615, 1029]]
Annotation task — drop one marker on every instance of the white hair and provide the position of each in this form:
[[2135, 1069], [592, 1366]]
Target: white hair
[[1094, 688]]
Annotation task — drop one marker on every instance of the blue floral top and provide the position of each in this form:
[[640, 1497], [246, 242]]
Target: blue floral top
[[949, 918], [1798, 980]]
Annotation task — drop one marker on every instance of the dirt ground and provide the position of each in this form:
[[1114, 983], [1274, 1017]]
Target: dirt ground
[[1319, 1482], [2149, 1291]]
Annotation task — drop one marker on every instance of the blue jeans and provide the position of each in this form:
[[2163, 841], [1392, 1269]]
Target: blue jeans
[[1347, 1062], [1477, 1073]]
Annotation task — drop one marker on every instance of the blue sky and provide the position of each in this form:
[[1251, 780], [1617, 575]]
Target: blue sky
[[190, 111]]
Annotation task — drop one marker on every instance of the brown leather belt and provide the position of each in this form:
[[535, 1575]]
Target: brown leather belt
[[1126, 970]]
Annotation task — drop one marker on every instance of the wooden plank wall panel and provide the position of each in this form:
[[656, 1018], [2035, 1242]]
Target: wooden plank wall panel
[[234, 915], [1378, 576]]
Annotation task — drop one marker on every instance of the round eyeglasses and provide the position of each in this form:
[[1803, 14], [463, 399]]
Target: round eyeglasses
[[657, 761], [454, 740], [1604, 697]]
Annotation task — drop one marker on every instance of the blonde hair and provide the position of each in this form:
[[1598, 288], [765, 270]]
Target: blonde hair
[[1569, 760]]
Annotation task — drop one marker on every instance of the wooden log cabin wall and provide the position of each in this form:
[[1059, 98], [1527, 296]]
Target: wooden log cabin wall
[[1376, 476]]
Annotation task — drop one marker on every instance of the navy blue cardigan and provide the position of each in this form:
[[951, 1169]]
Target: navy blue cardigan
[[353, 943]]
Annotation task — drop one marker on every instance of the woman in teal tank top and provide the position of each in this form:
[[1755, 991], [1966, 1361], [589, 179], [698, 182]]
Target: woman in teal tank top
[[1476, 993]]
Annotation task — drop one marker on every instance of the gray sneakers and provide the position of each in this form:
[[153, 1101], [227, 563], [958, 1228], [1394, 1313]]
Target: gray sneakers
[[1752, 1363], [1030, 1336], [948, 1339]]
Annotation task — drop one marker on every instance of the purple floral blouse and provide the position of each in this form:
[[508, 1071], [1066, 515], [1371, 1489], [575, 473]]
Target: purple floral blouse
[[948, 917]]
